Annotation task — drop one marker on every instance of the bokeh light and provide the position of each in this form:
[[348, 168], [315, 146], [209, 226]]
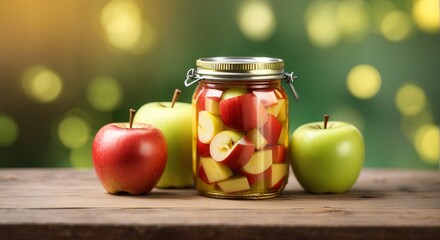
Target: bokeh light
[[8, 130], [42, 84], [410, 100], [364, 81], [82, 157], [322, 24], [256, 20], [396, 26], [427, 143], [379, 9], [410, 124], [352, 19], [426, 15], [73, 132], [104, 93], [125, 27]]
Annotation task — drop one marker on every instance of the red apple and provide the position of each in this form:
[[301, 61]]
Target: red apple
[[267, 97], [129, 158], [243, 112], [231, 149], [271, 130]]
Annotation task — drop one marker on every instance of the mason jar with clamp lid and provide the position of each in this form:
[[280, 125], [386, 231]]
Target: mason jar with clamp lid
[[240, 126]]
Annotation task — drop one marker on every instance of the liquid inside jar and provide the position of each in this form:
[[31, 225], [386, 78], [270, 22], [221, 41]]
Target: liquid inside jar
[[240, 139]]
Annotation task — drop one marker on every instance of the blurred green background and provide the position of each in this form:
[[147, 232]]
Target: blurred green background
[[68, 67]]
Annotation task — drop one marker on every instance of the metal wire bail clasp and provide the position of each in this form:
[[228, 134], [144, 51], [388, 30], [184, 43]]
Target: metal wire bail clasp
[[289, 79], [191, 75]]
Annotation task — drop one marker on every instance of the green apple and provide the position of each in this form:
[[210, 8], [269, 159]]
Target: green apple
[[327, 159], [175, 123]]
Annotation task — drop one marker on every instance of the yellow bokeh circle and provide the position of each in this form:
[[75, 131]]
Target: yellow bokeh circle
[[81, 157], [364, 81], [352, 17], [8, 130], [125, 27], [410, 100], [256, 20], [396, 26], [104, 93], [427, 143], [322, 24], [73, 132], [426, 15], [42, 84]]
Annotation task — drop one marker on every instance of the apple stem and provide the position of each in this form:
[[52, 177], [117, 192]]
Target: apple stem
[[177, 92], [132, 112], [326, 117]]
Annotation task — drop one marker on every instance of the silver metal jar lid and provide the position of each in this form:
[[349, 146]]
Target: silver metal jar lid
[[242, 69]]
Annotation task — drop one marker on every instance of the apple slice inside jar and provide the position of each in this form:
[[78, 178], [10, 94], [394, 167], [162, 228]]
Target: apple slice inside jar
[[234, 184], [278, 153], [259, 177], [205, 186], [243, 112], [231, 148], [259, 162], [283, 139], [276, 109], [214, 170], [257, 138], [202, 175], [206, 93], [208, 126], [267, 97], [203, 149], [212, 106], [271, 130], [279, 174]]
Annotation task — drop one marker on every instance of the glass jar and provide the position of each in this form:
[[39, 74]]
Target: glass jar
[[240, 126]]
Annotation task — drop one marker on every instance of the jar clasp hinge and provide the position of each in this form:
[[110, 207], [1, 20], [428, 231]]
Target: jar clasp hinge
[[191, 77], [289, 79]]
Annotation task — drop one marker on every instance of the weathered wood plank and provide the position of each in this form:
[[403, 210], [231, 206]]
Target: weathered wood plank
[[71, 204]]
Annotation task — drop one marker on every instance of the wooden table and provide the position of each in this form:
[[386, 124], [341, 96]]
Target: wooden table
[[71, 204]]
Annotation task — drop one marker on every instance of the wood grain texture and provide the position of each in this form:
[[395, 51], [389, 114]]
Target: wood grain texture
[[71, 204]]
